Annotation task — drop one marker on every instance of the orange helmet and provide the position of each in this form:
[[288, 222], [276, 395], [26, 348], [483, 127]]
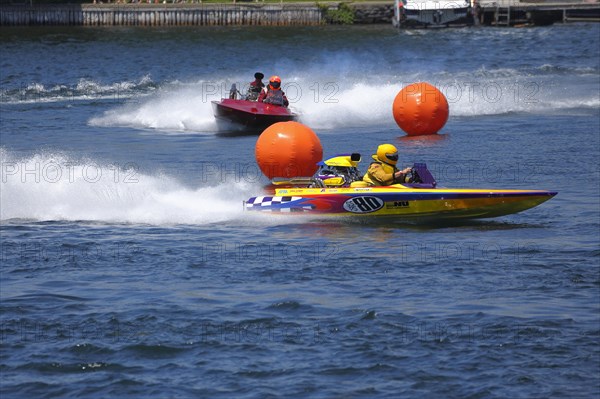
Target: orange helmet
[[275, 82]]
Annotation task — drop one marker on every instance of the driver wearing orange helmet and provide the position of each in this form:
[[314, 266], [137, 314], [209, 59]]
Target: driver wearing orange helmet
[[382, 171], [272, 94]]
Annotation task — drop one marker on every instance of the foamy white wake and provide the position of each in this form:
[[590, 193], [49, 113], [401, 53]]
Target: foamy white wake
[[48, 187], [180, 109], [330, 102]]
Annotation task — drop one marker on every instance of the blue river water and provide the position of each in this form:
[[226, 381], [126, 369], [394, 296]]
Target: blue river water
[[129, 269]]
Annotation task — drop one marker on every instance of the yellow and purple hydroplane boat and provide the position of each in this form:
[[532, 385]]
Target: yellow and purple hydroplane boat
[[337, 190]]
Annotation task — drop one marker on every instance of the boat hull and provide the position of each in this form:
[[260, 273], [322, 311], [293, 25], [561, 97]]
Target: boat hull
[[400, 201], [251, 113]]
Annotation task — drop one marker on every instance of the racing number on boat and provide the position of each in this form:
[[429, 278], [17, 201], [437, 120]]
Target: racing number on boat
[[364, 204]]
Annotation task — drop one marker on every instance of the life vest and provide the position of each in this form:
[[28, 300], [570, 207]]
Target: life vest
[[274, 97], [254, 90], [380, 174]]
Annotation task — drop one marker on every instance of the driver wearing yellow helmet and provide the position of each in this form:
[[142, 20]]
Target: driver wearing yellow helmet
[[382, 171]]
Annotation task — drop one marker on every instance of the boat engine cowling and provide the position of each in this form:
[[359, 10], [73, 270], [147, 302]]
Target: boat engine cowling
[[340, 171]]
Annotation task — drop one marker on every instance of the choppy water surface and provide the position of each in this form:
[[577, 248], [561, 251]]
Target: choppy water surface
[[130, 270]]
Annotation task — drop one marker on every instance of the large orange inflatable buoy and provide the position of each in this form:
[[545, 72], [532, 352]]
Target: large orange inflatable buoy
[[288, 149], [420, 109]]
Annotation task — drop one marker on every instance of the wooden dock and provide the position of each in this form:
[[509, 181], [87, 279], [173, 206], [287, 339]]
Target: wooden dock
[[535, 12]]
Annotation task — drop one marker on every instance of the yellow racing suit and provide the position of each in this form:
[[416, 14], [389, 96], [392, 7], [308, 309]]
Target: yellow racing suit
[[380, 174]]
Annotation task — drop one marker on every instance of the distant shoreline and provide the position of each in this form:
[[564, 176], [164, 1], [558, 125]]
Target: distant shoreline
[[246, 13], [197, 14]]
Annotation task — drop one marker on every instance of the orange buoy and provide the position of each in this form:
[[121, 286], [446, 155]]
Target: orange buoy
[[420, 108], [288, 149]]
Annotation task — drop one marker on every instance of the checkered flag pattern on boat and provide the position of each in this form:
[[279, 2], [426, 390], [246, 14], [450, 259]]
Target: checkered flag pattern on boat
[[273, 204]]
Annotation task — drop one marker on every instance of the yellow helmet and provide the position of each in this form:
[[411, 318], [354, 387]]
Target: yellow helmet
[[387, 153]]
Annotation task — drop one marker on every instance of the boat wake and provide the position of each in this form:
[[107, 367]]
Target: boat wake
[[56, 187], [322, 100], [331, 104]]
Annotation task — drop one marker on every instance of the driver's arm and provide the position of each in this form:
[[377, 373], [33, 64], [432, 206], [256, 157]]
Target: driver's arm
[[400, 176], [262, 96]]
